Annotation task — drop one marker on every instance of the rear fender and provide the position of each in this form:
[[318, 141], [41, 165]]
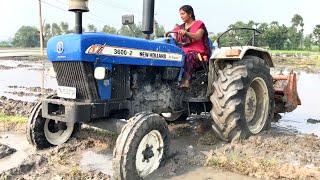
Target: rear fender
[[238, 52]]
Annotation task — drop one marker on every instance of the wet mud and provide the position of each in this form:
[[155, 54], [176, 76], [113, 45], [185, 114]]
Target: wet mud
[[3, 67], [275, 154], [313, 121], [29, 91], [307, 64], [32, 162], [278, 153], [64, 161], [23, 58], [15, 107], [6, 151]]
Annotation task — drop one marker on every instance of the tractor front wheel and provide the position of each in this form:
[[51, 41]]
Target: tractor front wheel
[[242, 99], [141, 146], [43, 133]]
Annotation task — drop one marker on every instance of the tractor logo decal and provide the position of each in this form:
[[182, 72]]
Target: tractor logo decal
[[100, 49], [59, 47]]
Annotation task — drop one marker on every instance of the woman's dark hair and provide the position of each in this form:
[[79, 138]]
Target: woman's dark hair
[[189, 10]]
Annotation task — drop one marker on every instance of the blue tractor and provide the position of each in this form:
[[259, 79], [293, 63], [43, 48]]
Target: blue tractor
[[102, 77]]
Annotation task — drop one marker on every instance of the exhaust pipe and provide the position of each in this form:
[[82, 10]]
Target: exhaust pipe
[[148, 16], [78, 7]]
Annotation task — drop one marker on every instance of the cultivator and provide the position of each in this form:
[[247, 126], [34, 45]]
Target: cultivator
[[286, 94]]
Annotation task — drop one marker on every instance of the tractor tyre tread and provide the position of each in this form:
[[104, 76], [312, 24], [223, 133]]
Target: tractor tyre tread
[[228, 97], [35, 127], [128, 140]]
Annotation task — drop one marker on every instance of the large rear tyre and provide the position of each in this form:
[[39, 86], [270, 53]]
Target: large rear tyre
[[141, 147], [43, 133], [242, 99]]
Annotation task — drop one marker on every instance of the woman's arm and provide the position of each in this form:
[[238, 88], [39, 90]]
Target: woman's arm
[[196, 36]]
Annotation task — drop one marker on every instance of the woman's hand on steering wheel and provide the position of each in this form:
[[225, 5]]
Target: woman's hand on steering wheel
[[168, 34], [175, 38]]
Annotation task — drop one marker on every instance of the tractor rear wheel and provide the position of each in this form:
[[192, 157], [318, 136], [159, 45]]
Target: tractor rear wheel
[[43, 133], [242, 99], [141, 146]]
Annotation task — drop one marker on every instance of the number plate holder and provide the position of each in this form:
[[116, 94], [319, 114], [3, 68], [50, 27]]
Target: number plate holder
[[67, 92]]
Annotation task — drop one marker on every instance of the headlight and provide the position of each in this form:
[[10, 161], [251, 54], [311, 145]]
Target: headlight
[[101, 73]]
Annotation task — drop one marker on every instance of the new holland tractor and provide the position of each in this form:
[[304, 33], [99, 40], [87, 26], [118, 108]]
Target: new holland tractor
[[130, 85]]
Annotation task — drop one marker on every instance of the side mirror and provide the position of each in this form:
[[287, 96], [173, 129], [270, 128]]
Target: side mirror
[[127, 19]]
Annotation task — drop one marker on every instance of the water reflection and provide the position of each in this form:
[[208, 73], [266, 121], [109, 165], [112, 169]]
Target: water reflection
[[21, 76]]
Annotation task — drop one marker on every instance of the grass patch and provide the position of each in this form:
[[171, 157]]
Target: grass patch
[[260, 167], [16, 119]]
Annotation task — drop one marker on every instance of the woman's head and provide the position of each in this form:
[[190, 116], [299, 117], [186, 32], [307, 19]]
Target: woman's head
[[186, 13]]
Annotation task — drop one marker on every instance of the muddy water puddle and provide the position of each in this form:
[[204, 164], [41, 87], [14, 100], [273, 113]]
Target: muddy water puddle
[[24, 74], [93, 161], [18, 142]]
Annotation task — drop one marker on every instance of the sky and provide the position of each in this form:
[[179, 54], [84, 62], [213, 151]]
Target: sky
[[217, 15]]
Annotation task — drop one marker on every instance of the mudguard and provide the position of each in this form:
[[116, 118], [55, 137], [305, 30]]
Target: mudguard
[[238, 52]]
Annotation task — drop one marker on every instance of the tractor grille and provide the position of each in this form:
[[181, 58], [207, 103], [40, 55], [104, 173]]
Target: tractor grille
[[120, 82], [78, 75]]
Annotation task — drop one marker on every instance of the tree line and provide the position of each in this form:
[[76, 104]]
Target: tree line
[[274, 35], [29, 36]]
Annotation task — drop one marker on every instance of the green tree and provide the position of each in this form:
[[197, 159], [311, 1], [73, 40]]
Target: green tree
[[276, 35], [308, 42], [294, 38], [55, 29], [64, 26], [297, 31], [46, 33], [5, 44], [316, 34], [297, 20], [133, 31], [26, 36], [213, 37], [109, 29], [262, 38], [92, 28], [158, 30], [238, 37], [161, 31]]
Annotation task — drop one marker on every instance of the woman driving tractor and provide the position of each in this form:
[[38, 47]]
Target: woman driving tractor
[[193, 36]]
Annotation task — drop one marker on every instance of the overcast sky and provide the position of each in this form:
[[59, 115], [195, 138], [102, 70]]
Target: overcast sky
[[217, 15]]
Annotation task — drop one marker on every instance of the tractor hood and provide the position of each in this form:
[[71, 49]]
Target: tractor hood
[[114, 49]]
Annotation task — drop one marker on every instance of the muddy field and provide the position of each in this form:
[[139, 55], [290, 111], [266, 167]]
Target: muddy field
[[289, 150]]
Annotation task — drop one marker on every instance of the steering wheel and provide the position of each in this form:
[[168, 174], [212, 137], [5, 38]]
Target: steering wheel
[[175, 39]]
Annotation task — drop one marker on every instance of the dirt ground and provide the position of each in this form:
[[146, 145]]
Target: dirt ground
[[278, 153]]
